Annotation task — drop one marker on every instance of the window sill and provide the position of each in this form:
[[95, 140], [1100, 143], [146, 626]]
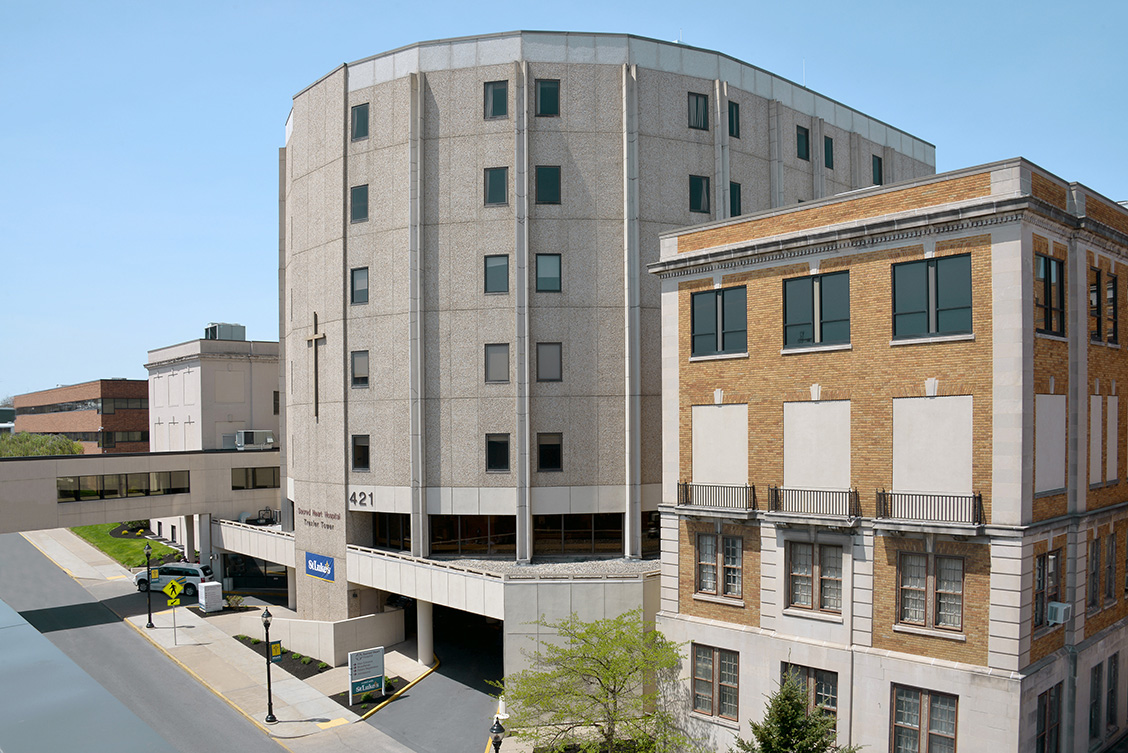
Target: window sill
[[815, 349], [496, 292], [1050, 336], [914, 630], [1049, 493], [1104, 344], [357, 222], [730, 723], [934, 339], [728, 601], [360, 386], [361, 470], [813, 615], [718, 357], [498, 470]]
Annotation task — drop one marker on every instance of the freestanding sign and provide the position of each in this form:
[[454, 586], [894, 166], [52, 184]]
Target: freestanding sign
[[366, 672]]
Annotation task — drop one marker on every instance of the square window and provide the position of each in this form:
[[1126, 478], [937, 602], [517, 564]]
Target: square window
[[497, 186], [548, 273], [734, 200], [548, 184], [828, 152], [360, 122], [549, 362], [497, 452], [699, 194], [548, 97], [728, 560], [497, 362], [358, 285], [497, 103], [358, 203], [719, 322], [734, 119], [360, 452], [923, 721], [930, 590], [878, 171], [1049, 295], [699, 111], [497, 273], [716, 688], [816, 310], [821, 686], [814, 576], [550, 452], [360, 368], [932, 297], [802, 143]]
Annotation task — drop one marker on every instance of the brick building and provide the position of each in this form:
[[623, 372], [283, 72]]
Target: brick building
[[105, 415], [893, 462]]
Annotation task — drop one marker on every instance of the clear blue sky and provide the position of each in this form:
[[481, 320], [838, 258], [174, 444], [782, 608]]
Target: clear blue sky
[[138, 140]]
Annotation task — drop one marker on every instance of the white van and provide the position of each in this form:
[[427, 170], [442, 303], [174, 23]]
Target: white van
[[189, 574]]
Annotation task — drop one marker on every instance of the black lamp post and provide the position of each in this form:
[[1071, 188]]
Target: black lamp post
[[270, 718], [149, 586], [497, 734]]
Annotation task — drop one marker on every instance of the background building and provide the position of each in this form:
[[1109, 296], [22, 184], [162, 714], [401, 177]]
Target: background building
[[894, 462], [106, 415]]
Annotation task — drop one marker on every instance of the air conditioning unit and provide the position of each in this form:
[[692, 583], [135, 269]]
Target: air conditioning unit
[[1058, 613], [252, 439]]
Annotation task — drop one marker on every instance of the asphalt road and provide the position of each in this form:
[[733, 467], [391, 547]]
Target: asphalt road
[[186, 714]]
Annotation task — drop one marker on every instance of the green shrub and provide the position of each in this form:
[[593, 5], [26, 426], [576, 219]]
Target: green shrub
[[322, 665], [240, 637], [307, 660], [256, 641], [367, 698], [296, 656]]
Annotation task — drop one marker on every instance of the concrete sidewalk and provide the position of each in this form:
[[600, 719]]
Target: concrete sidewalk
[[307, 719]]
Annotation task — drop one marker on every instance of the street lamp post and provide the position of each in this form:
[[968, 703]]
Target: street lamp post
[[149, 587], [497, 734], [270, 718]]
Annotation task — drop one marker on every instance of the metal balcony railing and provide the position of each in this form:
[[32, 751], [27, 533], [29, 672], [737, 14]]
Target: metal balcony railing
[[934, 508], [729, 496], [842, 503]]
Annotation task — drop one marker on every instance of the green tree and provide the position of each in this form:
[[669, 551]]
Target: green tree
[[790, 727], [25, 445], [598, 687]]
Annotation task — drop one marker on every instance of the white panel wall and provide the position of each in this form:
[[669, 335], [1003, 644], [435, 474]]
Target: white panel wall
[[816, 444], [1049, 440], [1095, 439], [720, 444], [932, 444]]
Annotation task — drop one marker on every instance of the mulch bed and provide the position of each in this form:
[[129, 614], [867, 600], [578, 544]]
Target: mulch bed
[[121, 531], [288, 663], [226, 610], [394, 683]]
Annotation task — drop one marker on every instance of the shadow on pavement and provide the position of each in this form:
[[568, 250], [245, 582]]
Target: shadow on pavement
[[69, 617], [469, 648]]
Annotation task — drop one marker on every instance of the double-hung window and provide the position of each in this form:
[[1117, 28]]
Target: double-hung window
[[814, 576], [1048, 735], [548, 273], [699, 194], [1049, 295], [821, 686], [734, 119], [716, 677], [1047, 586], [1094, 584], [1110, 569], [720, 322], [816, 310], [723, 555], [496, 100], [924, 721], [699, 111], [550, 452], [932, 297], [930, 590], [1112, 309], [1111, 710], [1096, 690]]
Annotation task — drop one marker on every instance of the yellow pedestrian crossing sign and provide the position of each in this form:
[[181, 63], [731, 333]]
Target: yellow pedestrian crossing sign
[[173, 588]]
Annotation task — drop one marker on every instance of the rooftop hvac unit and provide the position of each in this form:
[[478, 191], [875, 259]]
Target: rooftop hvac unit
[[220, 331], [1058, 613], [251, 439]]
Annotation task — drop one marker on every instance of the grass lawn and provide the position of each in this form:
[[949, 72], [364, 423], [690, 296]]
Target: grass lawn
[[129, 552]]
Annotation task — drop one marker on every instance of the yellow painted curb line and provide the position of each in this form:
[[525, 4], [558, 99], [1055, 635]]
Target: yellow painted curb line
[[402, 690]]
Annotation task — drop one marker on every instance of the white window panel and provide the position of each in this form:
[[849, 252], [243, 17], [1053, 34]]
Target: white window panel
[[932, 444], [1049, 440], [720, 444], [816, 444], [1095, 436]]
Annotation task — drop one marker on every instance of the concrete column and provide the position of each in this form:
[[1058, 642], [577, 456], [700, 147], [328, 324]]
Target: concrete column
[[291, 589], [521, 316], [775, 147], [188, 522], [205, 545], [420, 530], [424, 633], [632, 408]]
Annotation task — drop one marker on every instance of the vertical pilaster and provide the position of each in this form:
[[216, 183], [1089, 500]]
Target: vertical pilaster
[[420, 533], [632, 533], [721, 149], [818, 159], [775, 149], [521, 303]]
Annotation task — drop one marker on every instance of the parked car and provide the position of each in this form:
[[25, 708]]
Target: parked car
[[189, 574]]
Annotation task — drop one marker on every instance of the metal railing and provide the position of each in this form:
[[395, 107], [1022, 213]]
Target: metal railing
[[728, 496], [937, 508], [838, 502]]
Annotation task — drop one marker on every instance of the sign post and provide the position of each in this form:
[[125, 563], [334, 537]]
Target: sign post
[[366, 672], [173, 589]]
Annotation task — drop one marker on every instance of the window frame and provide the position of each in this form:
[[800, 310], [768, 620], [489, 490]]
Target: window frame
[[539, 84], [1047, 584], [803, 143], [487, 173], [1112, 694], [544, 439], [1096, 306], [817, 320], [489, 101], [809, 678], [734, 119], [735, 208], [359, 381], [354, 121], [933, 293], [559, 347], [721, 332], [828, 152], [716, 686], [497, 438], [698, 111], [544, 173], [1049, 307], [721, 566], [559, 274], [486, 274], [931, 591], [700, 194], [1093, 578], [361, 441], [1096, 700], [924, 710], [356, 193], [495, 347], [354, 289], [1110, 570], [1048, 726], [1112, 310], [878, 168], [817, 576]]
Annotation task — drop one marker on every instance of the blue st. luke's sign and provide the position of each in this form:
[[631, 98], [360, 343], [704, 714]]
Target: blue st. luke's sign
[[319, 566]]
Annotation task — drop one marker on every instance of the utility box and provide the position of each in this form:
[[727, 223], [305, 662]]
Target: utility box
[[211, 596]]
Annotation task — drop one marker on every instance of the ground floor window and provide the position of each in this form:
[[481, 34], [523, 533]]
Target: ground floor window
[[391, 530], [923, 721], [473, 535], [1048, 738], [253, 574], [598, 533], [822, 686]]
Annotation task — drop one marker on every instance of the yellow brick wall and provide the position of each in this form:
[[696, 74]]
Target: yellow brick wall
[[1106, 365], [1116, 609], [1103, 212], [749, 614], [1051, 359], [870, 375], [1047, 190]]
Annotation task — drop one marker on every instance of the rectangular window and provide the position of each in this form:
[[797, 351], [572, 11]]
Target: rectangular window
[[821, 686], [1049, 295], [707, 563], [734, 119], [878, 171], [699, 194], [1048, 738], [550, 452], [360, 368], [1112, 309], [497, 362], [1110, 568], [815, 576], [497, 273], [699, 111], [548, 184], [930, 590], [1096, 306], [728, 560], [932, 297], [734, 200], [550, 362], [358, 203], [923, 721], [1096, 687], [720, 322], [497, 186], [1094, 584], [816, 310], [548, 273], [802, 143], [496, 96], [548, 97], [360, 122], [360, 452], [277, 401], [1046, 584], [716, 675], [828, 152], [1113, 682], [358, 285], [497, 452]]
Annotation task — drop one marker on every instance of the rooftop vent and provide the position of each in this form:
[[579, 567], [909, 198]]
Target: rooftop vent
[[220, 331]]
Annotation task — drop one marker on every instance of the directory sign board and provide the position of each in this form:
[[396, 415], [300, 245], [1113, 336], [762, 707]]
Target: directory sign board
[[366, 672]]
